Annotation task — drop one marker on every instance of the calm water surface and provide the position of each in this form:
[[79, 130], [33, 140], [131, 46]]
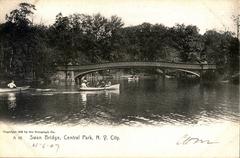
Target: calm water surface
[[148, 102]]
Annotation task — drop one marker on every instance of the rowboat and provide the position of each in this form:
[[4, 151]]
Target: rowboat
[[114, 91], [44, 90], [18, 89], [133, 79], [112, 87]]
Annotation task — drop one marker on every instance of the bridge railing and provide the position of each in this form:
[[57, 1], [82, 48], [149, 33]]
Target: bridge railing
[[158, 61]]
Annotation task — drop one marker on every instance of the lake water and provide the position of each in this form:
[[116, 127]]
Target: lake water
[[144, 102]]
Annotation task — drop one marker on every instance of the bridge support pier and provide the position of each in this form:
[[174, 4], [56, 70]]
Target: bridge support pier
[[164, 74], [69, 76], [201, 76], [77, 80]]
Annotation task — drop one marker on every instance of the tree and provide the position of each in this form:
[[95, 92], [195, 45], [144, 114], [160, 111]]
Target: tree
[[61, 39], [17, 34], [26, 48], [189, 42], [217, 47], [236, 19], [78, 35], [21, 16]]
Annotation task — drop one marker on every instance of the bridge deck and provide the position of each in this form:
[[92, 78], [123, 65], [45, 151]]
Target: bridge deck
[[138, 64]]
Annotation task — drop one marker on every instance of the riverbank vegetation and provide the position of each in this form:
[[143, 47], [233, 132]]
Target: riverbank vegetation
[[32, 51]]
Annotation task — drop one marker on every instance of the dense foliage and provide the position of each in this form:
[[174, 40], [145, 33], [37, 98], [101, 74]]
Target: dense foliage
[[28, 50]]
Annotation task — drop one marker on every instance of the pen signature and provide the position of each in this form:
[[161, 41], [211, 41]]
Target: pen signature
[[186, 139], [45, 146]]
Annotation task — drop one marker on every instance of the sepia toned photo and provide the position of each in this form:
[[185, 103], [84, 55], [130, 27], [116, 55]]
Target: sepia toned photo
[[130, 78]]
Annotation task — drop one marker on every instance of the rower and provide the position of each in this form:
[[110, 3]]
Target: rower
[[108, 84], [84, 85], [12, 85], [102, 84]]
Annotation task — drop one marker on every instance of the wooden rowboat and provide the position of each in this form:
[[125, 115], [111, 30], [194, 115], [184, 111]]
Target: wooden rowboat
[[133, 79], [18, 89], [112, 87]]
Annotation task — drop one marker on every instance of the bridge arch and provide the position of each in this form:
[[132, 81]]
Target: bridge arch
[[190, 72], [81, 74], [182, 70]]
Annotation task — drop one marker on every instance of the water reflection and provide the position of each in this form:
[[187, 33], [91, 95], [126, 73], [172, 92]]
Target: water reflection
[[11, 101], [107, 94], [149, 101], [83, 97]]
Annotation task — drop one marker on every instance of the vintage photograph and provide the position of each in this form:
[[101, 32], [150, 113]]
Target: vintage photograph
[[130, 78]]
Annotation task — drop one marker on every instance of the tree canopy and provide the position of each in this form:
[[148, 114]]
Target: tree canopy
[[29, 50]]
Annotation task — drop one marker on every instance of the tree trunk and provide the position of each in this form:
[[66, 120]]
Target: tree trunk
[[11, 59]]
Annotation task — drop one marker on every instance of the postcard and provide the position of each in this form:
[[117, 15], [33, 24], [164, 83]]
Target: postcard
[[130, 78]]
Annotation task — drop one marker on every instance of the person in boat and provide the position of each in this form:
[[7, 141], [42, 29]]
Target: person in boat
[[84, 85], [133, 77], [108, 84], [102, 84], [97, 84], [12, 85], [84, 80]]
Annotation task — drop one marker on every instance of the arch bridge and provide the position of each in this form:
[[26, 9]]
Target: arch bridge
[[75, 71]]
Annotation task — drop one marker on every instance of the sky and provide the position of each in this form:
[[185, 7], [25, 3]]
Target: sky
[[205, 14]]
